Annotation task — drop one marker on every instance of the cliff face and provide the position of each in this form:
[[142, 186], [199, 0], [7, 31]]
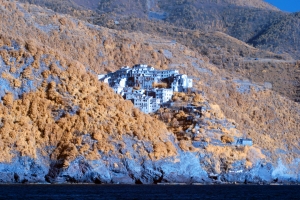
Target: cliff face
[[60, 124]]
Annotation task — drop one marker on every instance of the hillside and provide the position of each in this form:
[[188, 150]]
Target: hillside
[[222, 50], [59, 124], [253, 3], [282, 36]]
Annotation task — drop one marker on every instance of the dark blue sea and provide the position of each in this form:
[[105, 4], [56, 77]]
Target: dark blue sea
[[47, 192]]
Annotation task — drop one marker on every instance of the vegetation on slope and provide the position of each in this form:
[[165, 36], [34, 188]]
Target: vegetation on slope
[[222, 50], [268, 118], [282, 36], [72, 115]]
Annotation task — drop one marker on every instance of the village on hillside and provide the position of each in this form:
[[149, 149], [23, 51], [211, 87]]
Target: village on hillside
[[147, 88], [170, 96]]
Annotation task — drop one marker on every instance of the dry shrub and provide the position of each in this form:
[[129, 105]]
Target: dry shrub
[[5, 56], [17, 83], [18, 54], [181, 115], [160, 85], [164, 67], [174, 123], [45, 74], [27, 73], [8, 99], [154, 55], [227, 139], [162, 150], [7, 76], [181, 94], [186, 98], [198, 98], [63, 21], [5, 41], [109, 44], [36, 62], [186, 145], [175, 98], [216, 111], [31, 47], [13, 69], [227, 154], [54, 69]]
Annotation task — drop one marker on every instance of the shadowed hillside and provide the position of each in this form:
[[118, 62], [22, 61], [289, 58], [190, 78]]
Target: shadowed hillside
[[282, 36]]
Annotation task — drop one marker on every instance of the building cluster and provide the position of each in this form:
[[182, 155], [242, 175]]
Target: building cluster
[[146, 87]]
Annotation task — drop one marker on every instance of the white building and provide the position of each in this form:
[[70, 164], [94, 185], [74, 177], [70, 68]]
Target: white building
[[147, 98], [244, 142], [181, 82], [147, 104], [163, 94]]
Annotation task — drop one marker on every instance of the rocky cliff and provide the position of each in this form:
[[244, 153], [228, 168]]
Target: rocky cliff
[[59, 124]]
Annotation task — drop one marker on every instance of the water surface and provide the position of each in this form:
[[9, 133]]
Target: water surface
[[47, 192]]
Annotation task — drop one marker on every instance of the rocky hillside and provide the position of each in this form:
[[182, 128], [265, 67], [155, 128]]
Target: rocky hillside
[[59, 124], [282, 36], [194, 24]]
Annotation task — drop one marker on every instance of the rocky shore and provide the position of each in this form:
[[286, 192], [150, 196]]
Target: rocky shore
[[186, 168]]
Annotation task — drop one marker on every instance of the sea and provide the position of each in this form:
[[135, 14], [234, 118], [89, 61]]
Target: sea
[[49, 192]]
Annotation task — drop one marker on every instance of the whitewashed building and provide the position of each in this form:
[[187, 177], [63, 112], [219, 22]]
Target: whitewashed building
[[143, 78]]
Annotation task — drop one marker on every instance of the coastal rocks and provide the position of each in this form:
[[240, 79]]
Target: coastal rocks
[[261, 173], [136, 169], [184, 168], [287, 172], [23, 170]]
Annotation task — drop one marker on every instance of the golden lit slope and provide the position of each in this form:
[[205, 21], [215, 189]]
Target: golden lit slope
[[271, 120], [60, 115]]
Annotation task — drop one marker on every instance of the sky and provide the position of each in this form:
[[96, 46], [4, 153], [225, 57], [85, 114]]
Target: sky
[[286, 5]]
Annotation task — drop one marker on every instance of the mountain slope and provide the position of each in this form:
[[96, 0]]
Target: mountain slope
[[222, 50], [282, 36], [251, 3], [244, 20], [65, 126], [152, 4]]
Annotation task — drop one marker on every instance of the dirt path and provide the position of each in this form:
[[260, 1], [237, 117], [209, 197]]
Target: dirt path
[[268, 60]]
